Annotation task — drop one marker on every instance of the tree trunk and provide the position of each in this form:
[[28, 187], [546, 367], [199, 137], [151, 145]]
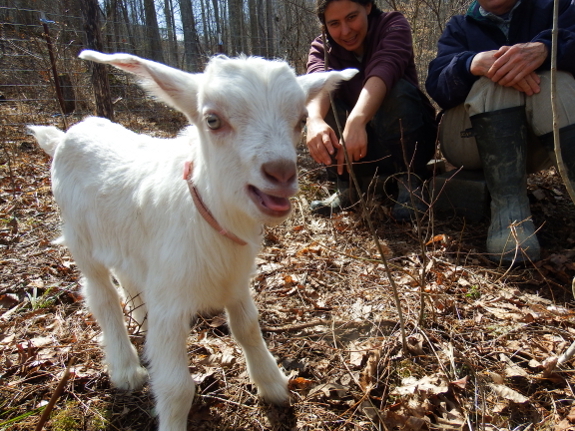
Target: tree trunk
[[100, 82], [255, 39], [270, 29], [219, 26], [207, 30], [128, 25], [235, 14], [191, 48], [153, 32], [172, 57]]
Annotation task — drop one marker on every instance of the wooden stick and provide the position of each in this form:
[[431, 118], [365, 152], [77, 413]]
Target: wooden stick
[[55, 396]]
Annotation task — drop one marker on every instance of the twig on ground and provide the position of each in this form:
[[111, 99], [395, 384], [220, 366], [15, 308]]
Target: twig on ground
[[567, 355], [318, 322], [57, 392]]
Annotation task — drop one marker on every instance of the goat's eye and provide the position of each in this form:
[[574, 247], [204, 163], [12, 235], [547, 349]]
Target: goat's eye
[[213, 121], [303, 121]]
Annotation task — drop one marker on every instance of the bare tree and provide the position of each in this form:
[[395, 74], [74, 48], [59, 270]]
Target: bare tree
[[206, 25], [191, 42], [153, 32], [235, 14], [256, 42], [99, 76], [172, 57], [271, 52], [219, 27], [132, 43]]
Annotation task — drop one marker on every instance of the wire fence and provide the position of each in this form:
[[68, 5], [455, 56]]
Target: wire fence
[[39, 50], [27, 75]]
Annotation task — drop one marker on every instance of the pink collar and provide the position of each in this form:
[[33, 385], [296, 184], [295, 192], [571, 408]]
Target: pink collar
[[204, 211]]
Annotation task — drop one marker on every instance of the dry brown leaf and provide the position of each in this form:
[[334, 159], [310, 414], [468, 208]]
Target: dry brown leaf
[[427, 385], [567, 424], [460, 383], [357, 354], [508, 393], [503, 313], [415, 344], [331, 390], [9, 300], [370, 411], [368, 375], [41, 341], [299, 383], [450, 424], [496, 377], [512, 369]]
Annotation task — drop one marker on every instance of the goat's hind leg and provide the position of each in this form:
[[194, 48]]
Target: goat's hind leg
[[103, 301], [262, 367]]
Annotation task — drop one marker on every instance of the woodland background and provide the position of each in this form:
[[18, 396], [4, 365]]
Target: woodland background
[[180, 33], [482, 340]]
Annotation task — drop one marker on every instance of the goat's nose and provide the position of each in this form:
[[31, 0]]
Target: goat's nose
[[281, 172]]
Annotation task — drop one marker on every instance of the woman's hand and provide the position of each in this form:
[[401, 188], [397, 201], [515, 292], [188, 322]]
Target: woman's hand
[[355, 138], [321, 140]]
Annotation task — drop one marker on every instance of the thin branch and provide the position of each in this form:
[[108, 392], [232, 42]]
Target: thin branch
[[55, 396], [365, 212]]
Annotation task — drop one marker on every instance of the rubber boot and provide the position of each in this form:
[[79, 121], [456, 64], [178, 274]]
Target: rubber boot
[[345, 197], [419, 149], [404, 209], [341, 199], [567, 141], [501, 138]]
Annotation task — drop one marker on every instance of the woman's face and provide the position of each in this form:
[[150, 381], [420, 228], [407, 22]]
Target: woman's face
[[346, 23]]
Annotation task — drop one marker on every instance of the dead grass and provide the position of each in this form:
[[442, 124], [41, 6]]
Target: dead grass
[[479, 360]]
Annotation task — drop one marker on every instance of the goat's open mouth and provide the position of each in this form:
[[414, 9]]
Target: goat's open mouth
[[275, 206]]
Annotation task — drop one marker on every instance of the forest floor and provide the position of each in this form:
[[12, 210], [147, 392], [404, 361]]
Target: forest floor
[[478, 356]]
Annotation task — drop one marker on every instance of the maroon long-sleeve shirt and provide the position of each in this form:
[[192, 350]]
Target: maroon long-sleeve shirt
[[388, 54]]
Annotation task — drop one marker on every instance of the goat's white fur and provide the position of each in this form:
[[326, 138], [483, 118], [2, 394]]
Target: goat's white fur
[[128, 214]]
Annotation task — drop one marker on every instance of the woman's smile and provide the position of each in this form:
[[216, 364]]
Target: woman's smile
[[346, 23]]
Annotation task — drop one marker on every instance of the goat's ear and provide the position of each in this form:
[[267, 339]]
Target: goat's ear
[[174, 87], [313, 83]]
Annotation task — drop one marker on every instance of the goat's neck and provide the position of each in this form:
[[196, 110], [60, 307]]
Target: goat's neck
[[224, 222]]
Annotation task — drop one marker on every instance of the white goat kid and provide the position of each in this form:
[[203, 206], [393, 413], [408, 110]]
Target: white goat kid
[[128, 214]]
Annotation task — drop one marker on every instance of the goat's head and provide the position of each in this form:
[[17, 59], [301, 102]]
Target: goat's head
[[249, 113]]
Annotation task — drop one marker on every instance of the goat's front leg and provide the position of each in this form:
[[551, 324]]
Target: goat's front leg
[[262, 367], [170, 378]]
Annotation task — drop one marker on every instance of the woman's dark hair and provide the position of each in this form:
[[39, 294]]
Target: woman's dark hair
[[321, 5]]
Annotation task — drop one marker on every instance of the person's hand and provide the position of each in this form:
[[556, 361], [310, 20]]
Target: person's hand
[[355, 137], [514, 66], [529, 85], [321, 140], [482, 62]]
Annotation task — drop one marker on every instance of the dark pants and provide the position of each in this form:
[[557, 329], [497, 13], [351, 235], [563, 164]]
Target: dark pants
[[385, 152]]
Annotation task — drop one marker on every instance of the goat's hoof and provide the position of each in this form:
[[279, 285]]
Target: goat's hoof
[[130, 380], [278, 400], [276, 394]]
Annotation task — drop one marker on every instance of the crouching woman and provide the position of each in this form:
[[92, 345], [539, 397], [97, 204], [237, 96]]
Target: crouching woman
[[382, 110]]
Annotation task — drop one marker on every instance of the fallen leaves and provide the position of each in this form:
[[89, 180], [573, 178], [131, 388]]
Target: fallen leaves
[[508, 393], [485, 354]]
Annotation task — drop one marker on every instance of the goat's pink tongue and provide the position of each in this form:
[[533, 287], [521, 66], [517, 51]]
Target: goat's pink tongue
[[275, 203]]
